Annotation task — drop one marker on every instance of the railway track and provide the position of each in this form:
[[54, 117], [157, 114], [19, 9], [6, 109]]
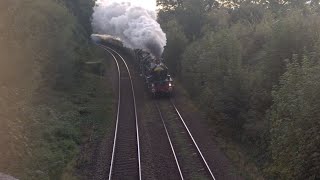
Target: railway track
[[125, 161], [190, 161]]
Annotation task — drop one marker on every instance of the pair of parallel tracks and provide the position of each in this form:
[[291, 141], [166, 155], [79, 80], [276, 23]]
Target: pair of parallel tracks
[[188, 156], [126, 157]]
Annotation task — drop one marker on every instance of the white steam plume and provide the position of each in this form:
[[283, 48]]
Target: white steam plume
[[133, 21]]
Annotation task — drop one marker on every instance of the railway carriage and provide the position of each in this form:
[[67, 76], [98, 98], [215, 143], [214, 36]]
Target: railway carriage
[[107, 40]]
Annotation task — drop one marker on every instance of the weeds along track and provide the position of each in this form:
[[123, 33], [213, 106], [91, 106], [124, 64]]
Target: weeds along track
[[190, 161], [125, 161]]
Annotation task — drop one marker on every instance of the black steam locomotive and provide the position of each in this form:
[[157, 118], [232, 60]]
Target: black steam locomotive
[[155, 73], [157, 78]]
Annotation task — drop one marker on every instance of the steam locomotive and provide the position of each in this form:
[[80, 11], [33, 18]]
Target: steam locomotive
[[153, 70], [155, 73]]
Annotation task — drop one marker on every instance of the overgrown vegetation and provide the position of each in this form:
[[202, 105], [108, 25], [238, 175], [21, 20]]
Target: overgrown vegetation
[[253, 66], [50, 104]]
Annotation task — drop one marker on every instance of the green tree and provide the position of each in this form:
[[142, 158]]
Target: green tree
[[176, 44], [295, 122], [42, 46], [214, 63], [236, 53]]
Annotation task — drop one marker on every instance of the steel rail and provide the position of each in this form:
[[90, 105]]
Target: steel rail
[[118, 113], [108, 49], [135, 112], [169, 139], [193, 140]]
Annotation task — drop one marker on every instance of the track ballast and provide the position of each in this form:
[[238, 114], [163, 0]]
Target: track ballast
[[125, 161], [190, 161]]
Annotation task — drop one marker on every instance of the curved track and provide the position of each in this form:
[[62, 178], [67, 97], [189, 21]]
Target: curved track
[[125, 161], [190, 161]]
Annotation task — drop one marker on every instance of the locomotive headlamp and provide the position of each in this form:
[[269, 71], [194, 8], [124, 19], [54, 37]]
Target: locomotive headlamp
[[170, 84]]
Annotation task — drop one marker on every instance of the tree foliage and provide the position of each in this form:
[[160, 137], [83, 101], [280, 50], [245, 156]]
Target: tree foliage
[[43, 46], [253, 65], [295, 121]]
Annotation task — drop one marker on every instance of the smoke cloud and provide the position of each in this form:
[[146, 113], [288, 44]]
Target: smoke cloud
[[133, 21]]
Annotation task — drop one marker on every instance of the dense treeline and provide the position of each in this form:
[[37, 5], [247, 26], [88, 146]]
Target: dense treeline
[[49, 102], [253, 66]]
